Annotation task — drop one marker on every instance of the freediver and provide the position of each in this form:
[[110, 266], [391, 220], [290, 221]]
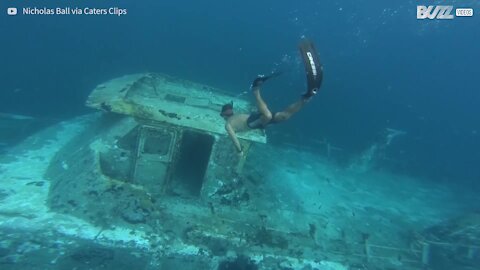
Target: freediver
[[264, 116]]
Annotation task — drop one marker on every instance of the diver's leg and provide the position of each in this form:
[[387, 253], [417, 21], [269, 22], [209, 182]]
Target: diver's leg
[[262, 106], [290, 110]]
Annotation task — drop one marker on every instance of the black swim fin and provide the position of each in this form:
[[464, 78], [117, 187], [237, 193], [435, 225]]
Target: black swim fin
[[262, 78], [313, 67]]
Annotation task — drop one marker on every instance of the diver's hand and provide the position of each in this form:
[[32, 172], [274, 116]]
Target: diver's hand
[[240, 152]]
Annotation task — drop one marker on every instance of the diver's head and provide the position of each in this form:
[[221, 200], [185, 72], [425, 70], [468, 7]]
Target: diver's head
[[227, 110]]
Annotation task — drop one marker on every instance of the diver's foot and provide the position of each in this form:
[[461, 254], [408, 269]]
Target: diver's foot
[[258, 82], [310, 93]]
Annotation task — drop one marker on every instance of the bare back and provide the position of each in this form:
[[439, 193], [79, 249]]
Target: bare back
[[238, 122]]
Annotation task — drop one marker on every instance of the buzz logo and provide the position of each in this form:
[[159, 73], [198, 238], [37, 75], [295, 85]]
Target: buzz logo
[[442, 12], [435, 12]]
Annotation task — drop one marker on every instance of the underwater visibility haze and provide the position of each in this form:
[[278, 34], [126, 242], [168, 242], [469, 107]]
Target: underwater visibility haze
[[113, 153]]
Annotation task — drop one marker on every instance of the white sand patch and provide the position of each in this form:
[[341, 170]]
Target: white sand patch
[[25, 207]]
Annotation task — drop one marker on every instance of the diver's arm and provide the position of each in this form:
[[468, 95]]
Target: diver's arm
[[234, 138]]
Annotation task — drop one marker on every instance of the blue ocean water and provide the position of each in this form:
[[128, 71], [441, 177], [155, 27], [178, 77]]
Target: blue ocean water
[[383, 69]]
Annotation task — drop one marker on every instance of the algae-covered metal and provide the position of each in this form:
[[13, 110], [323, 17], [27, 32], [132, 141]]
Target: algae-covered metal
[[162, 98], [174, 141]]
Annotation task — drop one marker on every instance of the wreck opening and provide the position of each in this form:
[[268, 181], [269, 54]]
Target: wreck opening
[[191, 166]]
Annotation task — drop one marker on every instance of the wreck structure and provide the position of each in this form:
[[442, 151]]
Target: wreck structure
[[174, 142], [156, 171]]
